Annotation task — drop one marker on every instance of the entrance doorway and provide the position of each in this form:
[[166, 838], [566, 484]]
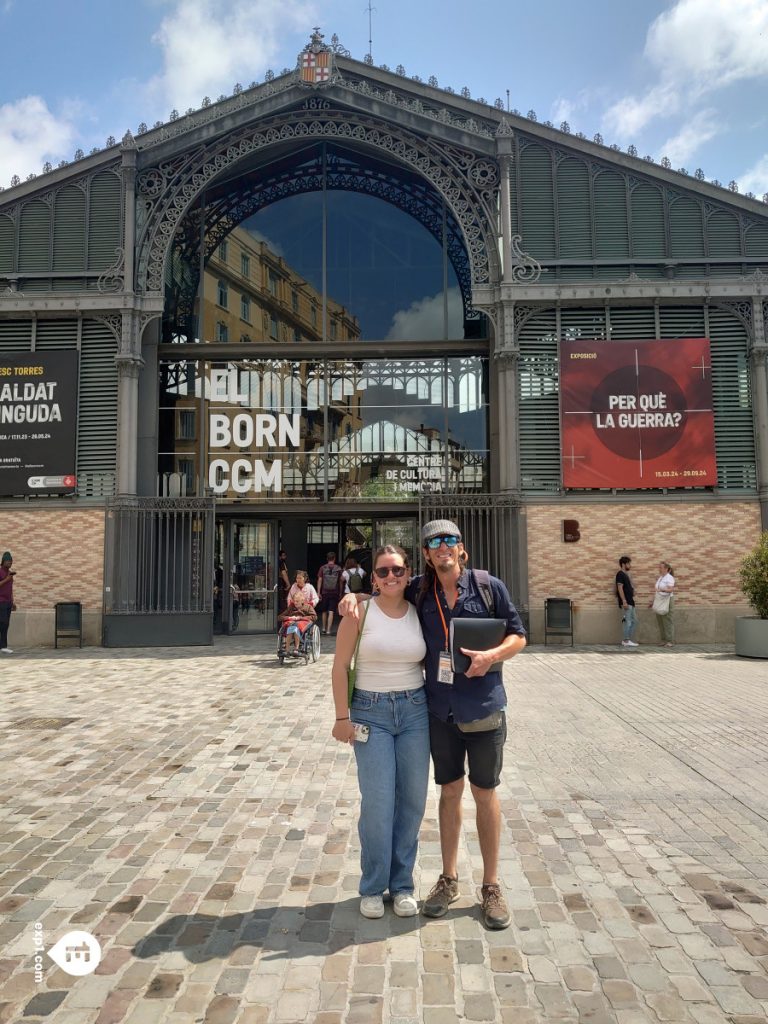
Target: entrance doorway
[[246, 594]]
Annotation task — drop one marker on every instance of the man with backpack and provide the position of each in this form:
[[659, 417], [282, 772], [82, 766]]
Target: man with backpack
[[467, 723], [353, 577], [329, 589]]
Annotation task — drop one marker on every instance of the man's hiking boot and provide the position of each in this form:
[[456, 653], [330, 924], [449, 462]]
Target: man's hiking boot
[[495, 910], [444, 892]]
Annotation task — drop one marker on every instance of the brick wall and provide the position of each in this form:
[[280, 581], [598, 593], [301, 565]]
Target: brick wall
[[704, 542], [58, 554]]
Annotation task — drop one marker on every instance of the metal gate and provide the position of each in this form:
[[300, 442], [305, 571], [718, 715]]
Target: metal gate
[[158, 572], [493, 530]]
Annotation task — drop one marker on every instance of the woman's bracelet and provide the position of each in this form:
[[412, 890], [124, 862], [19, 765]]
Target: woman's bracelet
[[344, 719]]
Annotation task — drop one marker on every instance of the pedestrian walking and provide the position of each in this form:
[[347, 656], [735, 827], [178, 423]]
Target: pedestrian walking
[[389, 711], [6, 599], [353, 577], [663, 604], [625, 594], [329, 588]]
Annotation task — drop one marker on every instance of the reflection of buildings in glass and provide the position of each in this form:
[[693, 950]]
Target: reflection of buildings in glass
[[252, 294], [373, 428]]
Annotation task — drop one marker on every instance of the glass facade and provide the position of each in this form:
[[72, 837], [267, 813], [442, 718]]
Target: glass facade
[[329, 247], [325, 429]]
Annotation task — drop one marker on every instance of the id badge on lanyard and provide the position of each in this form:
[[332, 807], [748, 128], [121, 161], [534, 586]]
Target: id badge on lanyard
[[444, 668]]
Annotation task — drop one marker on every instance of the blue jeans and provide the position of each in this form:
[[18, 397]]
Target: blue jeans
[[392, 772], [629, 619]]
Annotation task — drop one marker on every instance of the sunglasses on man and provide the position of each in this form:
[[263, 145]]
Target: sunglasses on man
[[385, 570], [434, 542]]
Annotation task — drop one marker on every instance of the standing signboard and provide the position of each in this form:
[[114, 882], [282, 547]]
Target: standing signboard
[[637, 414], [38, 422]]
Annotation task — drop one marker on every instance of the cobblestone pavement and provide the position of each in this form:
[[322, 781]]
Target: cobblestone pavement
[[190, 810]]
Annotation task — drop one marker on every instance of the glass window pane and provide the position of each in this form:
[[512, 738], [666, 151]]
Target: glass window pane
[[385, 271]]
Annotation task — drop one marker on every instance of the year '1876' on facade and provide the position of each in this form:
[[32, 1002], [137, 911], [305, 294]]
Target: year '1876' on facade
[[314, 313]]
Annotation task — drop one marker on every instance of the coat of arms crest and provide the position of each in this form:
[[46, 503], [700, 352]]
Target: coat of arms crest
[[315, 61]]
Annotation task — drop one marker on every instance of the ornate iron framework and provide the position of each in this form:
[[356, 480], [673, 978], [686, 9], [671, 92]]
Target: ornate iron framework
[[466, 181], [344, 172]]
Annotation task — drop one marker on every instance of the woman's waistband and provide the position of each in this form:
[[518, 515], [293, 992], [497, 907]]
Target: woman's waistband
[[378, 694]]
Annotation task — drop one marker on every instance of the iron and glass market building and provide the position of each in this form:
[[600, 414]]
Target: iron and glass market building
[[314, 313]]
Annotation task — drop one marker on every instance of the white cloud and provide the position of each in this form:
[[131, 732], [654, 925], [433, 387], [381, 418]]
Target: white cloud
[[756, 178], [207, 45], [630, 115], [30, 134], [712, 42], [424, 317], [695, 132], [697, 47]]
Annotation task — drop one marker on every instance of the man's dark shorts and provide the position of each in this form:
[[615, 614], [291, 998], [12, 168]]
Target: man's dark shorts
[[328, 603], [483, 750]]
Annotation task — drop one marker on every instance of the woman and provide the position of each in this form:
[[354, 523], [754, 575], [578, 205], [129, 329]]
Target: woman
[[665, 584], [300, 609], [392, 766]]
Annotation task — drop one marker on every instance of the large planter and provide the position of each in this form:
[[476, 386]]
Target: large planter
[[752, 637]]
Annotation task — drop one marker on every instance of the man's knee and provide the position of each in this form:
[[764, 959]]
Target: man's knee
[[483, 797], [452, 791]]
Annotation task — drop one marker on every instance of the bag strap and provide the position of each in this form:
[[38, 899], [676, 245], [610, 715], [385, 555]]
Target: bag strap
[[353, 664], [483, 581]]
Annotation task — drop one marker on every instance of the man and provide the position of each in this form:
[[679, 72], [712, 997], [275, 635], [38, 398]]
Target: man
[[477, 698], [625, 594], [329, 589], [6, 600]]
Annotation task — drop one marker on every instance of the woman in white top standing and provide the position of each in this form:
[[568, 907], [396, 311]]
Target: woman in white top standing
[[393, 765], [665, 585]]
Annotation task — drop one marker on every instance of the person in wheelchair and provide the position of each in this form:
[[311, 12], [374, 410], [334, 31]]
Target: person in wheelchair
[[300, 611]]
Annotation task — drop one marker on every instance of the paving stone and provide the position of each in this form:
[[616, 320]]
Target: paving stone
[[619, 994], [667, 1006], [690, 989], [757, 986], [437, 989], [594, 1008], [649, 977], [511, 989], [579, 979], [479, 1007], [734, 999], [506, 958], [609, 967]]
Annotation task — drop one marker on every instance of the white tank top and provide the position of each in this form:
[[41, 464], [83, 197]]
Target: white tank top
[[391, 651]]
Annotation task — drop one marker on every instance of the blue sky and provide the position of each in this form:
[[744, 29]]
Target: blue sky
[[687, 79]]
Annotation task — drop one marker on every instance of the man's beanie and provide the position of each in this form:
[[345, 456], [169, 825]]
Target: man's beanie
[[440, 528], [7, 557]]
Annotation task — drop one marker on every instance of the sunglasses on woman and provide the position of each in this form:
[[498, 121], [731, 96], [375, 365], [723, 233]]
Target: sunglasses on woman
[[385, 570], [434, 542]]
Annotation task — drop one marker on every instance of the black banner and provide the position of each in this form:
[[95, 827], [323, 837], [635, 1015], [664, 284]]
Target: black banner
[[38, 422]]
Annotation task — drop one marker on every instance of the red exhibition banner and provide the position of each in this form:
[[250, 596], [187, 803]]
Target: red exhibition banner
[[637, 414]]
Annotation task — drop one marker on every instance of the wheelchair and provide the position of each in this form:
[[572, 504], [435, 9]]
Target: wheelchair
[[309, 641]]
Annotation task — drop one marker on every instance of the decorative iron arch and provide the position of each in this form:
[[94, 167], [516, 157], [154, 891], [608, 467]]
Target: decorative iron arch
[[466, 181], [344, 173]]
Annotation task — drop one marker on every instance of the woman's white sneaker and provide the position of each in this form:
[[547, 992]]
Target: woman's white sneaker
[[405, 905], [372, 906]]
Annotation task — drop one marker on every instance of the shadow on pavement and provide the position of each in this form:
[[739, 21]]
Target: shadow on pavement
[[319, 929]]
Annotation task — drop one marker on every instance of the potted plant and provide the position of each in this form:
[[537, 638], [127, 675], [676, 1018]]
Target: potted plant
[[752, 631]]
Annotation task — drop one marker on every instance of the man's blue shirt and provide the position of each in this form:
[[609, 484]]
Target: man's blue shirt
[[467, 699]]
